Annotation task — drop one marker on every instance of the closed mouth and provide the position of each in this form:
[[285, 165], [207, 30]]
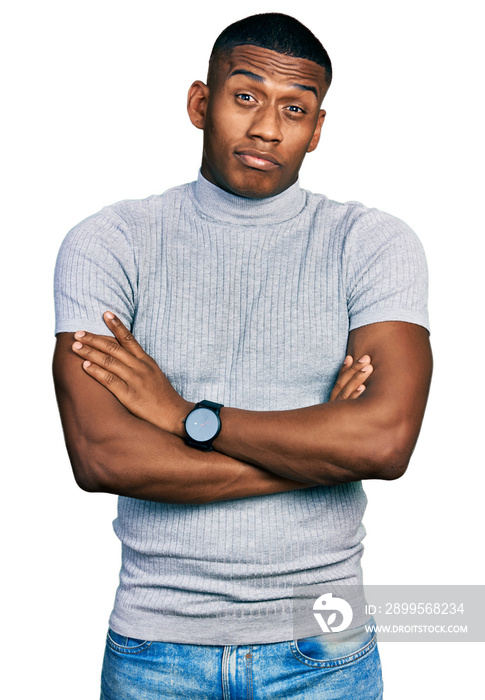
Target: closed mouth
[[259, 160]]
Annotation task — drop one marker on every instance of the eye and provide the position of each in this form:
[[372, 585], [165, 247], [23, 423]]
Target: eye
[[244, 97], [295, 109]]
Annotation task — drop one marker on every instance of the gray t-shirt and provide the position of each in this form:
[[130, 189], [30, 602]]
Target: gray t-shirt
[[248, 303]]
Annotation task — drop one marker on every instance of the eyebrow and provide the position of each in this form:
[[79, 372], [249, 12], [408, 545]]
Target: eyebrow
[[306, 87], [260, 79], [248, 73]]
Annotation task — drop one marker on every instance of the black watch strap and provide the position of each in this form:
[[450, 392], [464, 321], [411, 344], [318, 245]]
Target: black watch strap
[[216, 407]]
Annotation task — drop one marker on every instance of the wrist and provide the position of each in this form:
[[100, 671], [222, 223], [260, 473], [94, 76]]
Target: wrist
[[181, 413]]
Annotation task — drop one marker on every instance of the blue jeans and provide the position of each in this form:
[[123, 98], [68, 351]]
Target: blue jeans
[[310, 669]]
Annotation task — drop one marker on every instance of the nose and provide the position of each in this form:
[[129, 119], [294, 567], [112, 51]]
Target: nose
[[266, 124]]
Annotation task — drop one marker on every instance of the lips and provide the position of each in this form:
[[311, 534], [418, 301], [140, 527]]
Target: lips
[[259, 160]]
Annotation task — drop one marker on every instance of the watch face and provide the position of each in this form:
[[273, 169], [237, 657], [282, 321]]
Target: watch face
[[202, 424]]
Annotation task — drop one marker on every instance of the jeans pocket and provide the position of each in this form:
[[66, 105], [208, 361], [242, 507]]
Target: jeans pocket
[[331, 651], [126, 645]]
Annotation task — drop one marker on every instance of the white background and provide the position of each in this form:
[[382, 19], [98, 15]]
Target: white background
[[94, 103]]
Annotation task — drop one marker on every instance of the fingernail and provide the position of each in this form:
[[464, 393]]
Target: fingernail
[[79, 334], [77, 346], [348, 360], [86, 364], [364, 359], [109, 315], [366, 369], [360, 389]]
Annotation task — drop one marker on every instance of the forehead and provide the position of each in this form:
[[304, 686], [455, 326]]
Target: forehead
[[271, 65]]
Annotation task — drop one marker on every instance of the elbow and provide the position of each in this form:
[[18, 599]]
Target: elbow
[[393, 467], [86, 482], [89, 468], [391, 453], [89, 479]]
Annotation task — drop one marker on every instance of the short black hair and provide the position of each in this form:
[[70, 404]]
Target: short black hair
[[277, 32]]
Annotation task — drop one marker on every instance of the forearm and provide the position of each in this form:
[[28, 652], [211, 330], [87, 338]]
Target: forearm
[[327, 444], [150, 464]]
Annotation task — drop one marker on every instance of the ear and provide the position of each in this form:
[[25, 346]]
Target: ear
[[317, 132], [197, 101]]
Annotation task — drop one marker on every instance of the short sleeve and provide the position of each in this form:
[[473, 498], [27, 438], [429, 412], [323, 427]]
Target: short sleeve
[[95, 272], [387, 274]]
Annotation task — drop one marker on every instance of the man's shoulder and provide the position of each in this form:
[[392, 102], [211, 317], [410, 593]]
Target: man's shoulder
[[342, 209], [352, 217], [128, 208], [129, 217]]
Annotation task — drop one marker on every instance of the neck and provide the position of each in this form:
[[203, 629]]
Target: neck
[[219, 204]]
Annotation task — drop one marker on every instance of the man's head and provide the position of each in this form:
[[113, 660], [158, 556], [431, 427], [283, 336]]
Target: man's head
[[260, 110]]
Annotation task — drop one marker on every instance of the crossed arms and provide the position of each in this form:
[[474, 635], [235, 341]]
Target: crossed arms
[[123, 426]]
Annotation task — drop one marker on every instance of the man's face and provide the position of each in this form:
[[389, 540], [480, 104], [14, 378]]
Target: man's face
[[260, 117]]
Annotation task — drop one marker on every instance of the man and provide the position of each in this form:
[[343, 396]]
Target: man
[[238, 470]]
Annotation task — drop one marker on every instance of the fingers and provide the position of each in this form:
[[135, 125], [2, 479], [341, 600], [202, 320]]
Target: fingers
[[358, 392], [117, 362], [351, 378], [108, 379], [123, 335], [105, 360], [123, 347], [104, 352]]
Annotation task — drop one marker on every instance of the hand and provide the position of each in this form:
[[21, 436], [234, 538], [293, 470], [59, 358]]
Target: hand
[[351, 378], [124, 368]]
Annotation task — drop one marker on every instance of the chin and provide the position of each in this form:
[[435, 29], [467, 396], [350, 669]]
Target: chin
[[254, 187]]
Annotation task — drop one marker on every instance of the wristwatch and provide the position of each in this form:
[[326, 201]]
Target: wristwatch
[[203, 425]]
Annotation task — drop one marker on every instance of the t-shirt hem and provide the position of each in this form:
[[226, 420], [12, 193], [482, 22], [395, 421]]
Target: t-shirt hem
[[365, 319], [206, 632], [82, 324]]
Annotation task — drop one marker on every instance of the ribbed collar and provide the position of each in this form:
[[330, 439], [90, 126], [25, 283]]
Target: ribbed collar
[[223, 206]]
